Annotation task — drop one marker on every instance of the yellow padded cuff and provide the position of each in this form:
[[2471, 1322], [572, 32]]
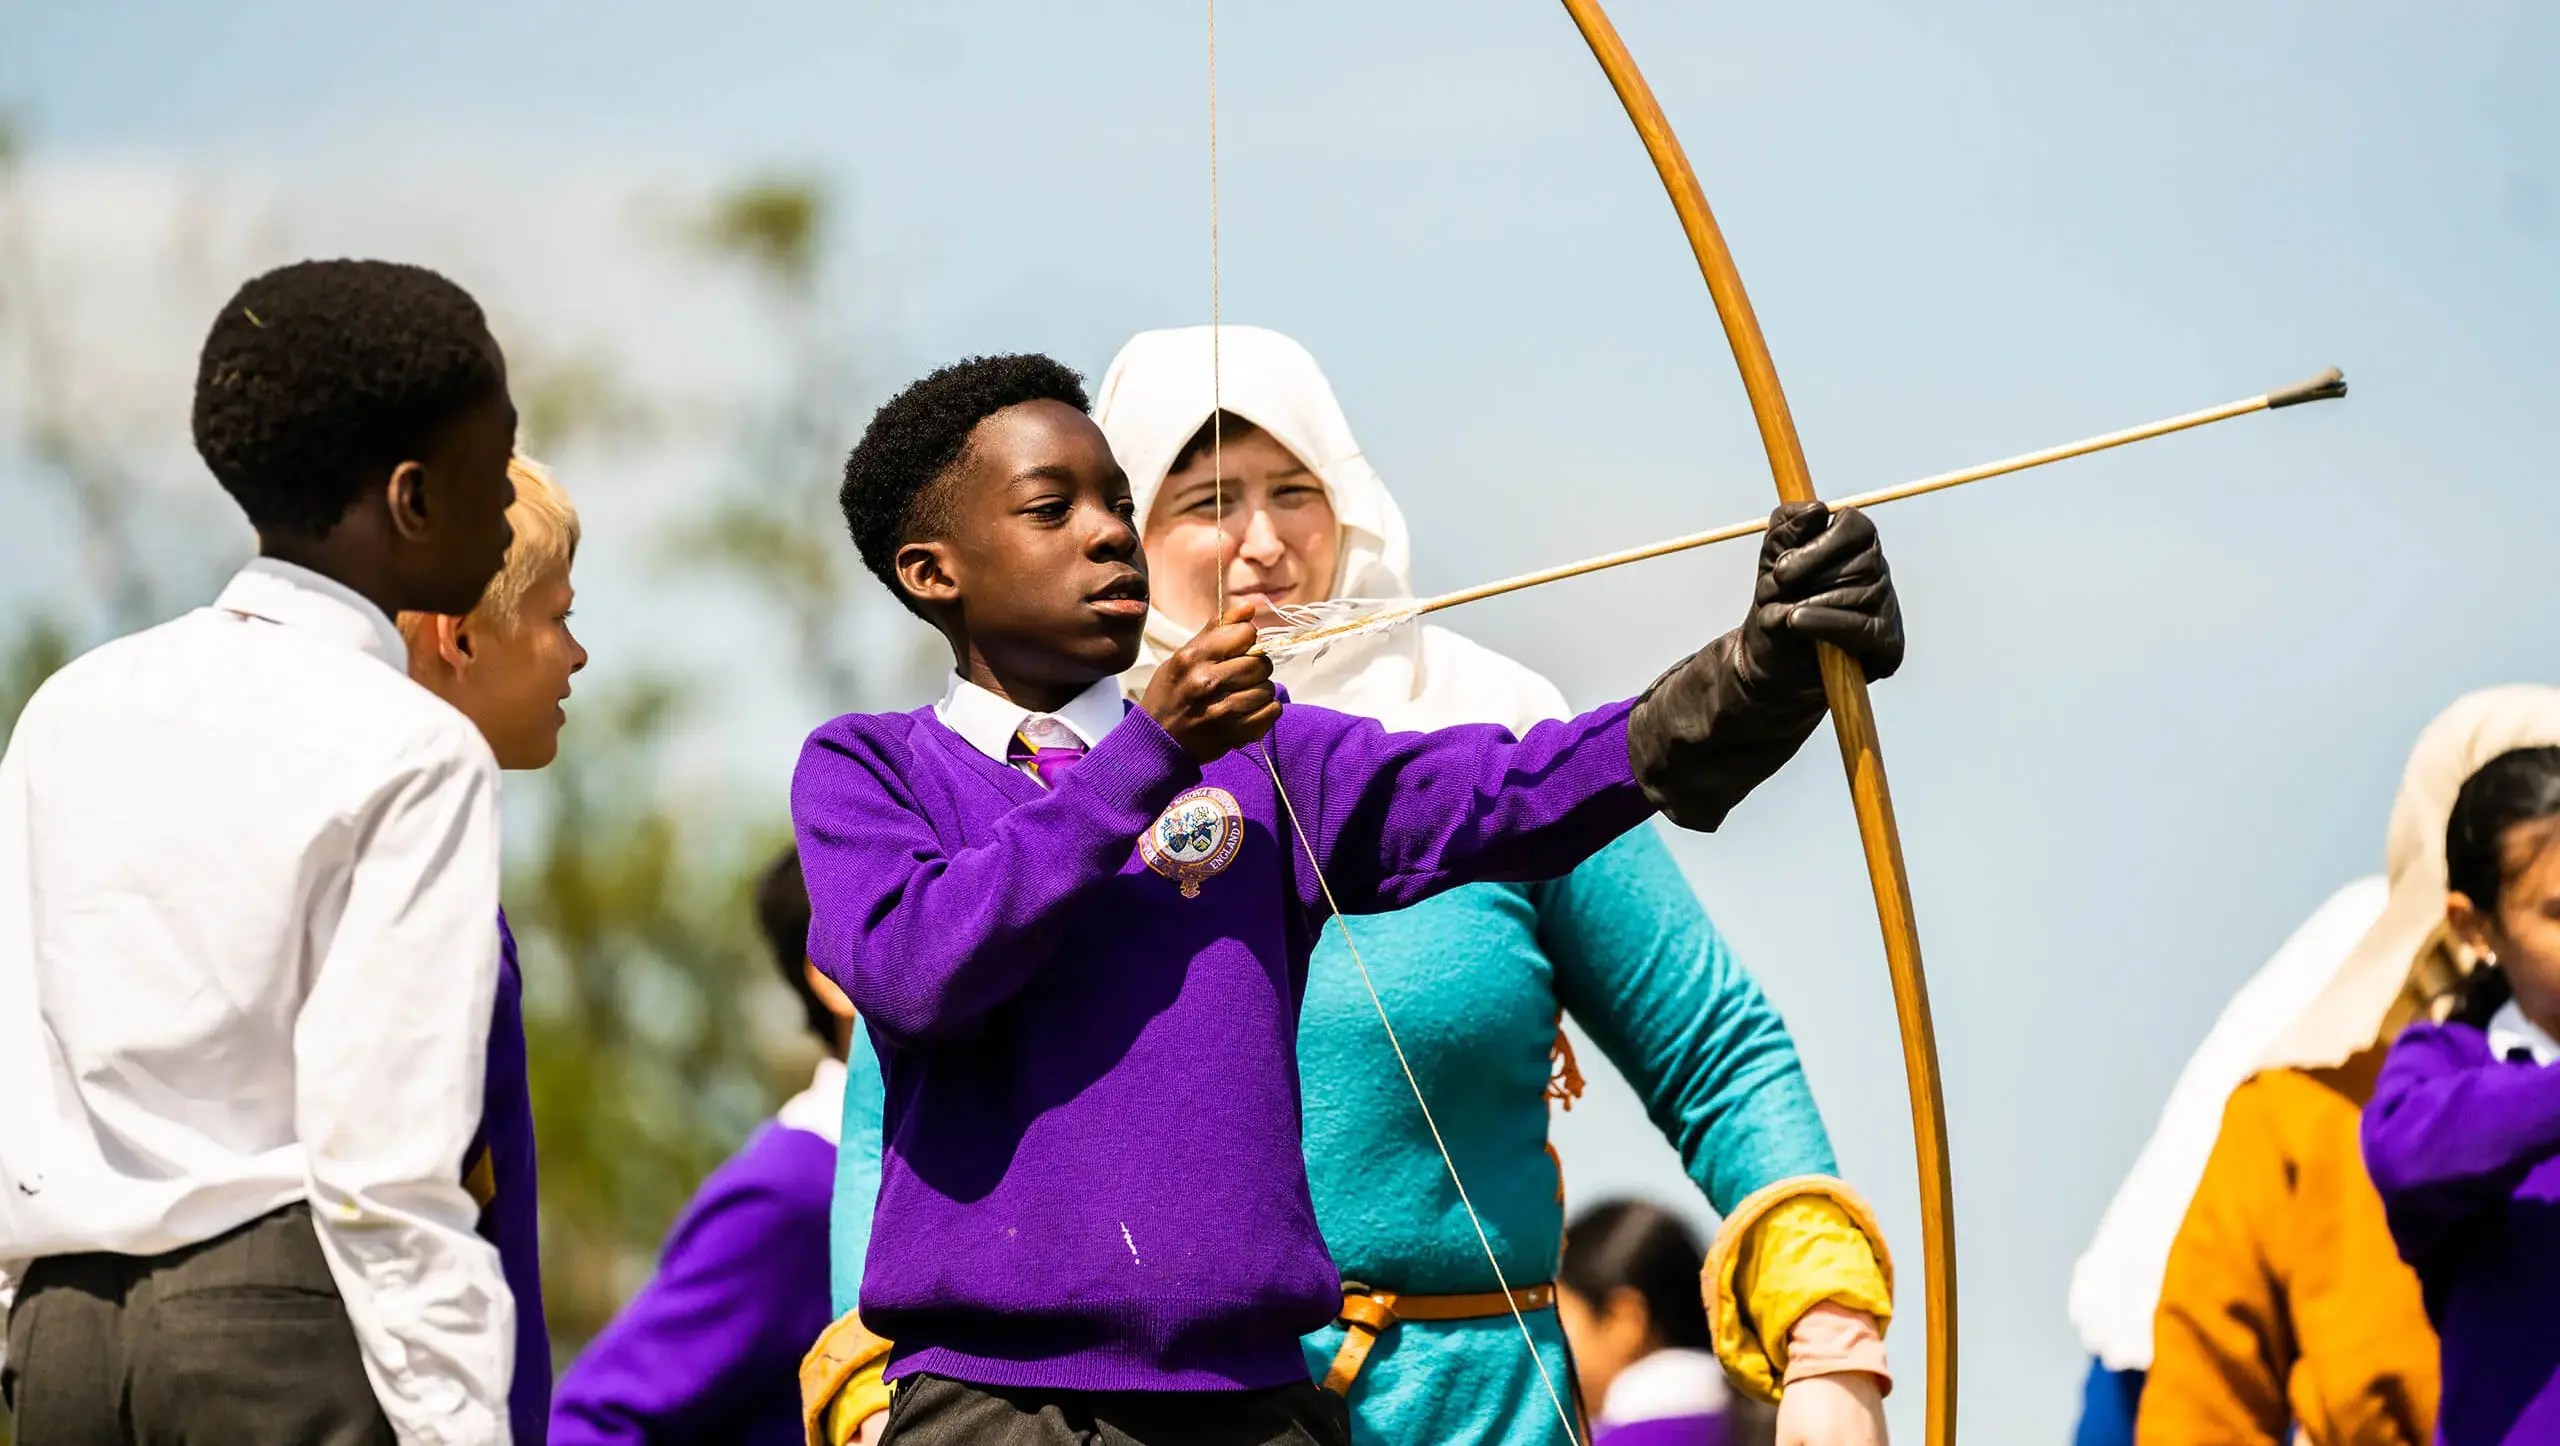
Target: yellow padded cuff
[[845, 1357], [862, 1397], [1789, 1247]]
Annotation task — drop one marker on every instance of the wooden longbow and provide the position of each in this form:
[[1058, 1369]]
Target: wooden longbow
[[1852, 716]]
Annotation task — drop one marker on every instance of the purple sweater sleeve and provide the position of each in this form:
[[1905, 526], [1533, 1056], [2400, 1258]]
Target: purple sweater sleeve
[[926, 940], [1399, 817], [710, 1348], [2451, 1132]]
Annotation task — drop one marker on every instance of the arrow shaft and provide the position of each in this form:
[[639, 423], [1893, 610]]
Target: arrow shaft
[[1917, 488]]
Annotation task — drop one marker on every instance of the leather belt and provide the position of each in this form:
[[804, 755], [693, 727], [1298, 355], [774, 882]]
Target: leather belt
[[1368, 1314]]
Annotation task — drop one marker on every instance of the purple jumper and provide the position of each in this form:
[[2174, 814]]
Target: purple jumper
[[2465, 1151], [1092, 1177], [499, 1169], [710, 1350]]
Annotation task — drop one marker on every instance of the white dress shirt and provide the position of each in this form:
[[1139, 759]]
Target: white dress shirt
[[988, 722], [248, 889]]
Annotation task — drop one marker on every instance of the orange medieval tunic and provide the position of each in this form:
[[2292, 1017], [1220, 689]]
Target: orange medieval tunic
[[2285, 1301]]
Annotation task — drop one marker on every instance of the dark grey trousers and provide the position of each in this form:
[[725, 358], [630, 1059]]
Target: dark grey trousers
[[241, 1338], [928, 1410]]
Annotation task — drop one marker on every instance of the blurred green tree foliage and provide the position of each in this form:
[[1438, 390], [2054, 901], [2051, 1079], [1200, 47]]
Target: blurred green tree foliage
[[651, 1058], [776, 530], [657, 1027], [87, 463]]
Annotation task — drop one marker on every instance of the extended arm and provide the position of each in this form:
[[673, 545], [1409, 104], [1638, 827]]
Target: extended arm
[[1396, 818], [2448, 1137], [389, 1052], [1404, 816], [925, 941]]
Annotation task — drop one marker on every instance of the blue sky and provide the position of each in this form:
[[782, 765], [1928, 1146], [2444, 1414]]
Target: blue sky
[[2156, 702]]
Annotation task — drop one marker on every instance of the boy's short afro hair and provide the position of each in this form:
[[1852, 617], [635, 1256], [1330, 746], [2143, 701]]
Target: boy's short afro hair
[[318, 374], [888, 494]]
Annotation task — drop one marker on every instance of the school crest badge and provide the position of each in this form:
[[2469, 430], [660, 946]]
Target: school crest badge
[[1195, 838]]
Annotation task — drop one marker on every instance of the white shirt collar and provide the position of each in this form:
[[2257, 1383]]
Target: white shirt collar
[[819, 1109], [2510, 1031], [296, 597], [1670, 1382], [989, 722]]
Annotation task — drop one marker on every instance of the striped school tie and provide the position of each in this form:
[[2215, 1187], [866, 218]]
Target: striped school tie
[[1047, 745]]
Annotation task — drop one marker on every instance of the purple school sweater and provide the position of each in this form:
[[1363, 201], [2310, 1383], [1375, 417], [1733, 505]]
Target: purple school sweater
[[500, 1161], [710, 1349], [1091, 1176], [2465, 1151]]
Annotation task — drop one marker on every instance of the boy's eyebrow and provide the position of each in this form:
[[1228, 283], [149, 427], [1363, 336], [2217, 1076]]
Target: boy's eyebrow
[[1061, 472]]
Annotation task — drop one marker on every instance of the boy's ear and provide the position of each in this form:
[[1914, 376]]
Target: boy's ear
[[454, 642], [924, 570], [828, 992], [406, 492]]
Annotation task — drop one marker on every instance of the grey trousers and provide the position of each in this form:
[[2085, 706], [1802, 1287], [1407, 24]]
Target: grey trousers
[[241, 1338]]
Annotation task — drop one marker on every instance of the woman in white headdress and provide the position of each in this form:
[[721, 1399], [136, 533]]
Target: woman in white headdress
[[1252, 487], [2116, 1285], [2284, 1310]]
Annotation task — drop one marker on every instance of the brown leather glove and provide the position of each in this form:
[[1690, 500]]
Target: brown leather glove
[[1731, 714]]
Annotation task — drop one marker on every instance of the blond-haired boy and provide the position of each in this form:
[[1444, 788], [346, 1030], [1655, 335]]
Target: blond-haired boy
[[506, 666]]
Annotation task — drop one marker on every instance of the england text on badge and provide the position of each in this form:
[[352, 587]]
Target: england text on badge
[[1195, 837]]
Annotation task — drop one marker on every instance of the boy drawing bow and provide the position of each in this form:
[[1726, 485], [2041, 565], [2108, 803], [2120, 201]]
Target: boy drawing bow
[[1078, 927]]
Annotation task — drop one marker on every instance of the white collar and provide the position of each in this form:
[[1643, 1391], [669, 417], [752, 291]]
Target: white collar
[[989, 722], [819, 1109], [1670, 1382], [296, 597], [2510, 1031]]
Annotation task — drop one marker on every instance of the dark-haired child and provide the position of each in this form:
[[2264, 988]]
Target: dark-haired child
[[1643, 1353], [1078, 928], [2463, 1134], [710, 1349], [248, 876]]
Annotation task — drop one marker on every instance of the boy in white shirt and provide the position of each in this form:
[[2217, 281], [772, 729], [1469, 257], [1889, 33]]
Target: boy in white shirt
[[247, 876]]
